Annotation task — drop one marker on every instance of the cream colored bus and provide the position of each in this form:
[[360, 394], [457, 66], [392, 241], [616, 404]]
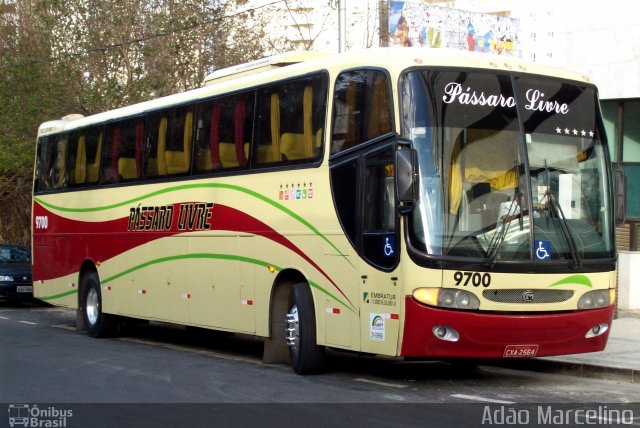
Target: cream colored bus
[[401, 202]]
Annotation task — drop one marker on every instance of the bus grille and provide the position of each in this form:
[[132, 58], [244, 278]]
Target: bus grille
[[527, 296]]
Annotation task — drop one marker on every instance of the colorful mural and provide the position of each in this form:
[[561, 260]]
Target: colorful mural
[[420, 25]]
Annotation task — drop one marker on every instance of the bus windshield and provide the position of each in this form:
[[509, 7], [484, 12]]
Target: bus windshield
[[512, 168]]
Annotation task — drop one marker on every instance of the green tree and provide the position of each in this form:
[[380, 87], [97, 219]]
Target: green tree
[[85, 56], [28, 95]]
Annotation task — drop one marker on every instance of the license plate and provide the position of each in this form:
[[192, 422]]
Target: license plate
[[24, 288], [520, 351]]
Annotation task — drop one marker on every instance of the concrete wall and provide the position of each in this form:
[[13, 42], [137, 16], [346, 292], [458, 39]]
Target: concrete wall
[[628, 282]]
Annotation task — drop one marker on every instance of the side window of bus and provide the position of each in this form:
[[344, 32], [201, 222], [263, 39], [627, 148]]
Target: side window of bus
[[223, 133], [170, 140], [291, 122], [53, 163], [74, 161], [362, 108], [37, 178], [175, 137], [123, 151], [84, 156], [44, 162], [158, 128]]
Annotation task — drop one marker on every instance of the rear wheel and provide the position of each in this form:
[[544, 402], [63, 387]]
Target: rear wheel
[[306, 356], [97, 323]]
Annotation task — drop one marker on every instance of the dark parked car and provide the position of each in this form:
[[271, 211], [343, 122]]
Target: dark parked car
[[15, 273]]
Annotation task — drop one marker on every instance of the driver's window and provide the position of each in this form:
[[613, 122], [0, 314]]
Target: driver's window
[[362, 108]]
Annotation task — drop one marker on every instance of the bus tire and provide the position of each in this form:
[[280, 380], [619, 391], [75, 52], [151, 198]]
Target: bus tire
[[306, 356], [97, 323]]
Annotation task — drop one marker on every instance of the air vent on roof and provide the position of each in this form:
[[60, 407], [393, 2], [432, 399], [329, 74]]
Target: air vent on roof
[[260, 65]]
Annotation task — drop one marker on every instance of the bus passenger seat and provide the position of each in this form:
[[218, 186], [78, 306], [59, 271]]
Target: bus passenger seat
[[177, 162], [127, 168], [81, 161], [228, 155], [203, 160], [265, 154], [93, 169], [293, 147]]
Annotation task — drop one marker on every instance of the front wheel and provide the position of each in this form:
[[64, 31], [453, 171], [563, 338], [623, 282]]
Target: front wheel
[[306, 356], [97, 323]]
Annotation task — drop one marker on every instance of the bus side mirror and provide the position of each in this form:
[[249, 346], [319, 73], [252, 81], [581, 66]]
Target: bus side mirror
[[621, 195], [406, 183]]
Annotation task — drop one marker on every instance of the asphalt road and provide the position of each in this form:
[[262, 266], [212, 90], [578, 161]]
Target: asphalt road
[[164, 375]]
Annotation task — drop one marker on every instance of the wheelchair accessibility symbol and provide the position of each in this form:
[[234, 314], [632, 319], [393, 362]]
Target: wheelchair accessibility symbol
[[389, 246], [543, 250]]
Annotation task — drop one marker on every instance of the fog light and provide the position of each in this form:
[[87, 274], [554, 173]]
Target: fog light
[[597, 330], [445, 333]]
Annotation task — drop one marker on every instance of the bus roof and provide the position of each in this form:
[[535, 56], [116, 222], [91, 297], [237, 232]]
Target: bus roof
[[261, 65], [285, 66]]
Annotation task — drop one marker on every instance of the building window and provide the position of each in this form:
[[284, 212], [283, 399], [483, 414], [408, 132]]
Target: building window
[[610, 117], [624, 146], [631, 132]]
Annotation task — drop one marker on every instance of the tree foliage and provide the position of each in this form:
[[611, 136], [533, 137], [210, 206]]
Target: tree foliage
[[85, 56]]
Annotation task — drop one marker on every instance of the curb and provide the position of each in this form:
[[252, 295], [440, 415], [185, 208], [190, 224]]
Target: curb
[[572, 368], [631, 313]]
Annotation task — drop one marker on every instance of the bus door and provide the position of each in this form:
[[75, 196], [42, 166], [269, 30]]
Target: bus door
[[370, 220]]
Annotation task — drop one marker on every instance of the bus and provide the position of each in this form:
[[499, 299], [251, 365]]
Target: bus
[[398, 202]]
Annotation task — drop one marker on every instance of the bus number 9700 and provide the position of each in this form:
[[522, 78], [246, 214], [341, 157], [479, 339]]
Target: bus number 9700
[[42, 222], [472, 278]]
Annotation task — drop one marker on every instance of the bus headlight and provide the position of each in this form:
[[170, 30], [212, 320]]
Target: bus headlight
[[447, 298], [596, 299]]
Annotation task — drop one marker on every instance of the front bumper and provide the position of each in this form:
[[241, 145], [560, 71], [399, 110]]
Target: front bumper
[[9, 291], [485, 335]]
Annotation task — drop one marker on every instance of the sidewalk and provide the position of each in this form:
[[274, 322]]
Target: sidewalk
[[619, 361]]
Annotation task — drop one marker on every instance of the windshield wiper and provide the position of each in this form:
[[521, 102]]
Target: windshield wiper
[[557, 209], [515, 210], [502, 227], [564, 225]]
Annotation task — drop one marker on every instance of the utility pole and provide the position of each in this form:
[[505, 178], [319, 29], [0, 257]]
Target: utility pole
[[383, 22], [342, 25]]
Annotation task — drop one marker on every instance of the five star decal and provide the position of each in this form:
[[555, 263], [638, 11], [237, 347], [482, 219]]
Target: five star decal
[[574, 131]]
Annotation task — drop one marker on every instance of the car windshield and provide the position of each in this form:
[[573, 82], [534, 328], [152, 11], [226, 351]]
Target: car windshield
[[511, 167], [10, 254]]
